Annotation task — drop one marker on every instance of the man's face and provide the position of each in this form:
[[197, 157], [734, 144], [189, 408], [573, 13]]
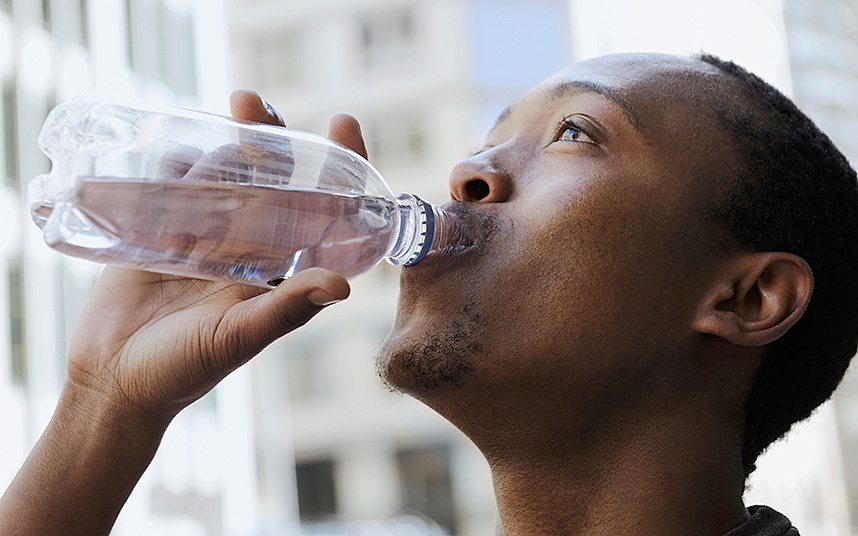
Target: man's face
[[588, 206]]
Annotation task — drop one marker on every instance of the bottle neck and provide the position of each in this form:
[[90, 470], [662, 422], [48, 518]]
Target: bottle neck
[[423, 228]]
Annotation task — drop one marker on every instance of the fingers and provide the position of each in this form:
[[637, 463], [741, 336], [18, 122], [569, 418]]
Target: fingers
[[259, 321], [263, 159], [176, 163], [345, 130], [248, 105]]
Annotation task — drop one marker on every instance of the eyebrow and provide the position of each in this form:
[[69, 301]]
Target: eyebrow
[[573, 87], [502, 117]]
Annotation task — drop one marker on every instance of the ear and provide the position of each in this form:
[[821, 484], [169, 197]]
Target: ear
[[755, 298]]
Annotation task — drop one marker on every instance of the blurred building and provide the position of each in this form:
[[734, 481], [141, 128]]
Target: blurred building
[[51, 50], [427, 80], [823, 53], [306, 431]]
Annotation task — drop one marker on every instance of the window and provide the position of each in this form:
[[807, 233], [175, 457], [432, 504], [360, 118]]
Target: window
[[46, 164], [279, 59], [145, 38], [160, 43], [84, 23], [10, 134], [397, 139], [387, 39], [317, 496], [47, 14], [6, 5], [308, 379], [425, 486], [68, 20], [129, 31], [195, 509], [180, 63], [16, 321]]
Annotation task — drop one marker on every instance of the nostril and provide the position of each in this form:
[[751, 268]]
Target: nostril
[[477, 189]]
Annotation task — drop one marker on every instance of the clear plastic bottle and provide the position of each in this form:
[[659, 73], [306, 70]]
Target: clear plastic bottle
[[189, 193]]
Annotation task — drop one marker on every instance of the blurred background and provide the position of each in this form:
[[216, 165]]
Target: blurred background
[[304, 440]]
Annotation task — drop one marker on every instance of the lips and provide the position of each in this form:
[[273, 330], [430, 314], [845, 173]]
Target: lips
[[444, 253], [472, 232]]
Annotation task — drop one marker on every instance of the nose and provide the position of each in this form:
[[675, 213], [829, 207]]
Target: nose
[[477, 179]]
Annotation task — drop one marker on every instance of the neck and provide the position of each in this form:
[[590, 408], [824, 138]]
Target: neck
[[670, 477]]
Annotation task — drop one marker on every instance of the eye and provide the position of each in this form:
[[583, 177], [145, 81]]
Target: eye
[[574, 134], [567, 131]]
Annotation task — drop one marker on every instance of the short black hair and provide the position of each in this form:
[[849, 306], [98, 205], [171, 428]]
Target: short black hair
[[796, 193]]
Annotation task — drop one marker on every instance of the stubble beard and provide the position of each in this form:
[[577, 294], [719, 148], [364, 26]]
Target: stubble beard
[[443, 358], [445, 355]]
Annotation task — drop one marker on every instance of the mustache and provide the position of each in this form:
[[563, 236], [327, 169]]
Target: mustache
[[479, 225]]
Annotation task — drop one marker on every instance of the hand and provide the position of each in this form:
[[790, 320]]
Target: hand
[[151, 344], [146, 346]]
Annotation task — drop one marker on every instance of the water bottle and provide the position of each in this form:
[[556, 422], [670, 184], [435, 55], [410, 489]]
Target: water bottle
[[194, 194]]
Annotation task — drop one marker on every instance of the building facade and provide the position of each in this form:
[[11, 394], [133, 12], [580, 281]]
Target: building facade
[[305, 438], [823, 55], [50, 51]]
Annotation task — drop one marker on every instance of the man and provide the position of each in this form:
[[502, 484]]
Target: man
[[661, 283]]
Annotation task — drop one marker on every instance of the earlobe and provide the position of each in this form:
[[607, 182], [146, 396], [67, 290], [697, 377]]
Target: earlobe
[[755, 298]]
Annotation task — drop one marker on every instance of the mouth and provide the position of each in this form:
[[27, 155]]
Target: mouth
[[469, 232], [447, 252]]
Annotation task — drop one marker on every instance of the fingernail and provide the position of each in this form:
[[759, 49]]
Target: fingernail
[[321, 298], [272, 111]]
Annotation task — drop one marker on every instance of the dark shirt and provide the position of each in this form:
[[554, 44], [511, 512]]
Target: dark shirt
[[764, 522]]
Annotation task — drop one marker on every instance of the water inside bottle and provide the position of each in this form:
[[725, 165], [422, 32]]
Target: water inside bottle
[[221, 230]]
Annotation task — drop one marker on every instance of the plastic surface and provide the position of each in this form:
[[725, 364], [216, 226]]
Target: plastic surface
[[188, 193]]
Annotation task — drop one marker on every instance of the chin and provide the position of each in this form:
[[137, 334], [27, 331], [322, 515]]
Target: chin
[[423, 357]]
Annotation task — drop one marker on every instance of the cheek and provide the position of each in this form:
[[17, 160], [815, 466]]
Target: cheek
[[585, 274]]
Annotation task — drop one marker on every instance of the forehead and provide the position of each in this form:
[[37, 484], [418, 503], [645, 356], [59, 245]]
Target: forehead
[[639, 71], [652, 90]]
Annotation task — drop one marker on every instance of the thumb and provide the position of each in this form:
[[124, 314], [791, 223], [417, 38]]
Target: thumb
[[261, 320]]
